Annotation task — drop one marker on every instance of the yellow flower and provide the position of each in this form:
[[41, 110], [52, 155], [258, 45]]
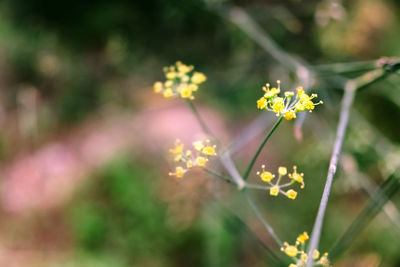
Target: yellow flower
[[274, 191], [158, 86], [265, 175], [171, 75], [179, 172], [282, 171], [185, 78], [297, 177], [168, 93], [308, 105], [168, 84], [303, 238], [270, 93], [304, 257], [180, 81], [315, 254], [289, 115], [185, 91], [183, 68], [189, 164], [198, 145], [178, 147], [291, 194], [299, 107], [293, 265], [193, 87], [201, 161], [288, 106], [278, 105], [209, 151], [198, 78], [178, 158], [262, 103], [324, 261], [291, 251], [202, 153]]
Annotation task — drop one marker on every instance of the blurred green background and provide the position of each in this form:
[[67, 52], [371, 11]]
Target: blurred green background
[[84, 139]]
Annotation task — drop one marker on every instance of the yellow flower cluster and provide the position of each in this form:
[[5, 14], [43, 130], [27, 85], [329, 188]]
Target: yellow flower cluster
[[297, 252], [276, 187], [181, 81], [289, 105], [188, 158]]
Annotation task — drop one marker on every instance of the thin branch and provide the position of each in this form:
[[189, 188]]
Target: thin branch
[[349, 93], [253, 160], [224, 158], [219, 176], [199, 118], [262, 219], [343, 121], [257, 187]]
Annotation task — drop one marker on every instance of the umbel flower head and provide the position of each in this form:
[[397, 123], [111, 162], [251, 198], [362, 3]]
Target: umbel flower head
[[191, 158], [277, 187], [300, 257], [289, 105], [181, 81]]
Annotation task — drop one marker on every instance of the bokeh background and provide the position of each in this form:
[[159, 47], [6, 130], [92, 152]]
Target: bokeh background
[[84, 140]]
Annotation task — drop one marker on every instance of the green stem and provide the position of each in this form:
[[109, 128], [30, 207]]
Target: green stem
[[267, 226], [219, 176], [199, 118], [253, 160]]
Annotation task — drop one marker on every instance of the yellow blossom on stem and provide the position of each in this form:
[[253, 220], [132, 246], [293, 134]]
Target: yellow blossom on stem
[[282, 171], [297, 177], [181, 81], [198, 78], [291, 251], [302, 238], [291, 194], [315, 254], [277, 187], [274, 191], [300, 256], [209, 150], [288, 106], [265, 175], [201, 161], [198, 145], [262, 103], [179, 172], [191, 158]]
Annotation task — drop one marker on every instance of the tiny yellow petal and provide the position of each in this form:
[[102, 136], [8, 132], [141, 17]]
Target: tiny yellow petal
[[171, 75], [198, 78], [291, 251], [282, 171], [274, 191], [289, 115], [209, 151], [198, 145], [291, 194], [158, 86], [315, 254], [168, 93], [201, 161], [303, 238]]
